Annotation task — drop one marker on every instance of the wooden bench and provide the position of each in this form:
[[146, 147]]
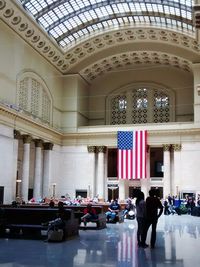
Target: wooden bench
[[31, 221], [100, 221]]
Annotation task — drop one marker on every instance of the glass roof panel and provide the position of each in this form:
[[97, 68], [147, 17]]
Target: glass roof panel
[[68, 21]]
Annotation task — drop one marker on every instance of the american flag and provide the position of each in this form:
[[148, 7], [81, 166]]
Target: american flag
[[131, 161]]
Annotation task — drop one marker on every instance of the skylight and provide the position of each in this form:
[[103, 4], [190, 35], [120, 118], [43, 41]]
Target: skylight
[[67, 21]]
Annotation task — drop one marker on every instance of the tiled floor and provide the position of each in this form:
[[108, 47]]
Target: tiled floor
[[178, 245]]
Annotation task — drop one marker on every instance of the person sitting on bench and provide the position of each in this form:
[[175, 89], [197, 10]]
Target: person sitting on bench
[[89, 214], [113, 210]]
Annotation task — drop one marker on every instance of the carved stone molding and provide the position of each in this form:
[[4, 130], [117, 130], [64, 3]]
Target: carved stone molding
[[38, 143], [101, 149], [27, 139], [48, 146], [176, 147], [166, 147], [91, 149]]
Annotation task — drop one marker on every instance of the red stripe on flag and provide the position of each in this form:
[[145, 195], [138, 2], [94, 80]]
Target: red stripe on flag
[[136, 155], [131, 160], [141, 151]]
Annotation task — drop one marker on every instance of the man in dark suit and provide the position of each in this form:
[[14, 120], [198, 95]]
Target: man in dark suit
[[154, 209]]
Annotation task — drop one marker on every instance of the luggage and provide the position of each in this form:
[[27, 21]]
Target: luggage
[[55, 235], [55, 232]]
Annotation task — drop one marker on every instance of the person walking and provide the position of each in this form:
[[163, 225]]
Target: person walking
[[140, 216], [154, 209]]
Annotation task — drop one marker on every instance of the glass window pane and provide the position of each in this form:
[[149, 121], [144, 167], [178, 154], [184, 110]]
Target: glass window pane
[[76, 14]]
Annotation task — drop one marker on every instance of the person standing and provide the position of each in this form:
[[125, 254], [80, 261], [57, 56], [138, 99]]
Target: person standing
[[154, 209], [140, 216]]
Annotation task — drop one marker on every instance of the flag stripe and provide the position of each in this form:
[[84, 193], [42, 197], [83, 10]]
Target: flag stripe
[[132, 155]]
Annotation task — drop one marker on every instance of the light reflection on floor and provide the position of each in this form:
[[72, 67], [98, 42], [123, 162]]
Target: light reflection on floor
[[116, 246]]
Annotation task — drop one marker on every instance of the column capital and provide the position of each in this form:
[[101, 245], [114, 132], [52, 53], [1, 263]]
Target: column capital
[[91, 149], [176, 147], [16, 134], [48, 146], [27, 139], [166, 147], [38, 143], [101, 149]]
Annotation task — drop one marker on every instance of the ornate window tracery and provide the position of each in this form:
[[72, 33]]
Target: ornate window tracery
[[33, 97], [140, 105]]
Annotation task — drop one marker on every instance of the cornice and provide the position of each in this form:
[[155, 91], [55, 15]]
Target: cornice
[[106, 132], [70, 60], [26, 125]]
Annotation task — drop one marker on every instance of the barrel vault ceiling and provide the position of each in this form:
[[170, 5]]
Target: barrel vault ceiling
[[93, 37]]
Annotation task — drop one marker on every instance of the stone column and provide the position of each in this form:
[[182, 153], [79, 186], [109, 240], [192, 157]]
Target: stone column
[[101, 150], [37, 187], [26, 167], [123, 189], [145, 183], [92, 170], [167, 169], [176, 186], [46, 188], [16, 182]]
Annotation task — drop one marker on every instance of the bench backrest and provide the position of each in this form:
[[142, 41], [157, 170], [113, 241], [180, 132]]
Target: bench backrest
[[99, 209], [33, 216]]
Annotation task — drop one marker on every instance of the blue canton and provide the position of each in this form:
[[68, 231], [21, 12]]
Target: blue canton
[[125, 140]]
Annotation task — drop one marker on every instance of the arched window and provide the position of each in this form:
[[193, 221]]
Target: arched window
[[33, 96], [140, 104]]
